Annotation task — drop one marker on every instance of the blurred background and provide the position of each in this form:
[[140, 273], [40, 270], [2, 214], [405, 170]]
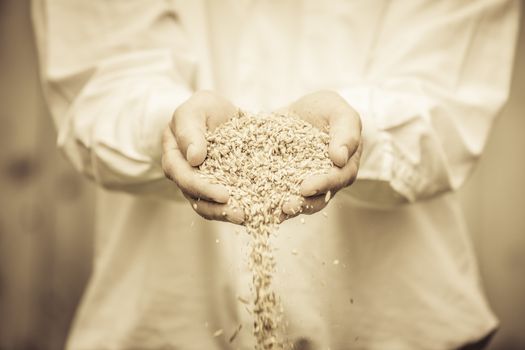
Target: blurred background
[[46, 216]]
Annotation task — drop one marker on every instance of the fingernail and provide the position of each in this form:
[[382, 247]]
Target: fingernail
[[236, 217], [309, 193], [292, 210], [222, 195]]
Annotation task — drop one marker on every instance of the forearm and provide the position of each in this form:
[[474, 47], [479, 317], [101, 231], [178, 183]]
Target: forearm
[[112, 89], [427, 110]]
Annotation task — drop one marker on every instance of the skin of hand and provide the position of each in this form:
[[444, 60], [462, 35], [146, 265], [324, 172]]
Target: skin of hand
[[184, 149], [328, 109]]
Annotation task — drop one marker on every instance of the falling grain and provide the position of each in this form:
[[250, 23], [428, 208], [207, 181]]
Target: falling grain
[[242, 300], [235, 333], [263, 160]]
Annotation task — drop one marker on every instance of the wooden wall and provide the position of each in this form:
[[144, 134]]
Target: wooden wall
[[46, 210]]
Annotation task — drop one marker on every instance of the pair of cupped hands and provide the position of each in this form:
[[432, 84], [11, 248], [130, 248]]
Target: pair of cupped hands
[[184, 149]]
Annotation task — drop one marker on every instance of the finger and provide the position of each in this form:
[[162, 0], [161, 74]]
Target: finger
[[293, 206], [216, 211], [345, 133], [189, 127], [334, 180], [185, 176], [304, 205], [314, 204]]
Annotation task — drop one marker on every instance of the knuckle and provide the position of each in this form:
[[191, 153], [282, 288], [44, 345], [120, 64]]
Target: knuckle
[[202, 210], [352, 144], [166, 168], [342, 181], [165, 137], [178, 113], [353, 175], [353, 141], [205, 214], [216, 214]]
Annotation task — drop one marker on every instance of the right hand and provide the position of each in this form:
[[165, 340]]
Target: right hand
[[184, 148]]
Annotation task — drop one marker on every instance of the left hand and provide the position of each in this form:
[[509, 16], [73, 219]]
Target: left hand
[[321, 109]]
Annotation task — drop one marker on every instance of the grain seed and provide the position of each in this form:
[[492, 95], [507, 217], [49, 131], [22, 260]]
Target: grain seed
[[327, 196], [263, 160]]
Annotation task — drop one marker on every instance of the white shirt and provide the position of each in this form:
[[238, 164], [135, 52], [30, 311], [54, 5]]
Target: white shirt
[[391, 267]]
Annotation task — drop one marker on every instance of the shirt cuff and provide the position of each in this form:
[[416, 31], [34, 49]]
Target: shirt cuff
[[385, 176], [159, 111]]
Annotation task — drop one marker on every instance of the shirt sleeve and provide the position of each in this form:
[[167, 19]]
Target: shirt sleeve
[[113, 73], [436, 78]]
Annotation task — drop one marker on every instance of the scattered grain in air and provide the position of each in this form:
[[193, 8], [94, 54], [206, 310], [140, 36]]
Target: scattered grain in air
[[295, 252], [217, 241], [327, 196], [302, 221], [192, 224], [242, 300], [195, 206], [218, 332], [235, 333], [259, 182], [325, 214], [247, 309], [336, 262]]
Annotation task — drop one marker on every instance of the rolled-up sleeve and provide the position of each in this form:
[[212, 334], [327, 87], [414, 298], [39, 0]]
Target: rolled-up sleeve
[[436, 79], [113, 72]]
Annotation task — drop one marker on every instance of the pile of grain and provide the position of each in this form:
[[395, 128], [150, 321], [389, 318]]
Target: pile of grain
[[263, 160]]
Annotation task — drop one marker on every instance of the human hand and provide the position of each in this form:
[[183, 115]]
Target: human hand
[[184, 148], [327, 109]]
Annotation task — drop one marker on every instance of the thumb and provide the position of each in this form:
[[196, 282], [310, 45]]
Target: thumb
[[345, 133], [192, 143], [191, 139]]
